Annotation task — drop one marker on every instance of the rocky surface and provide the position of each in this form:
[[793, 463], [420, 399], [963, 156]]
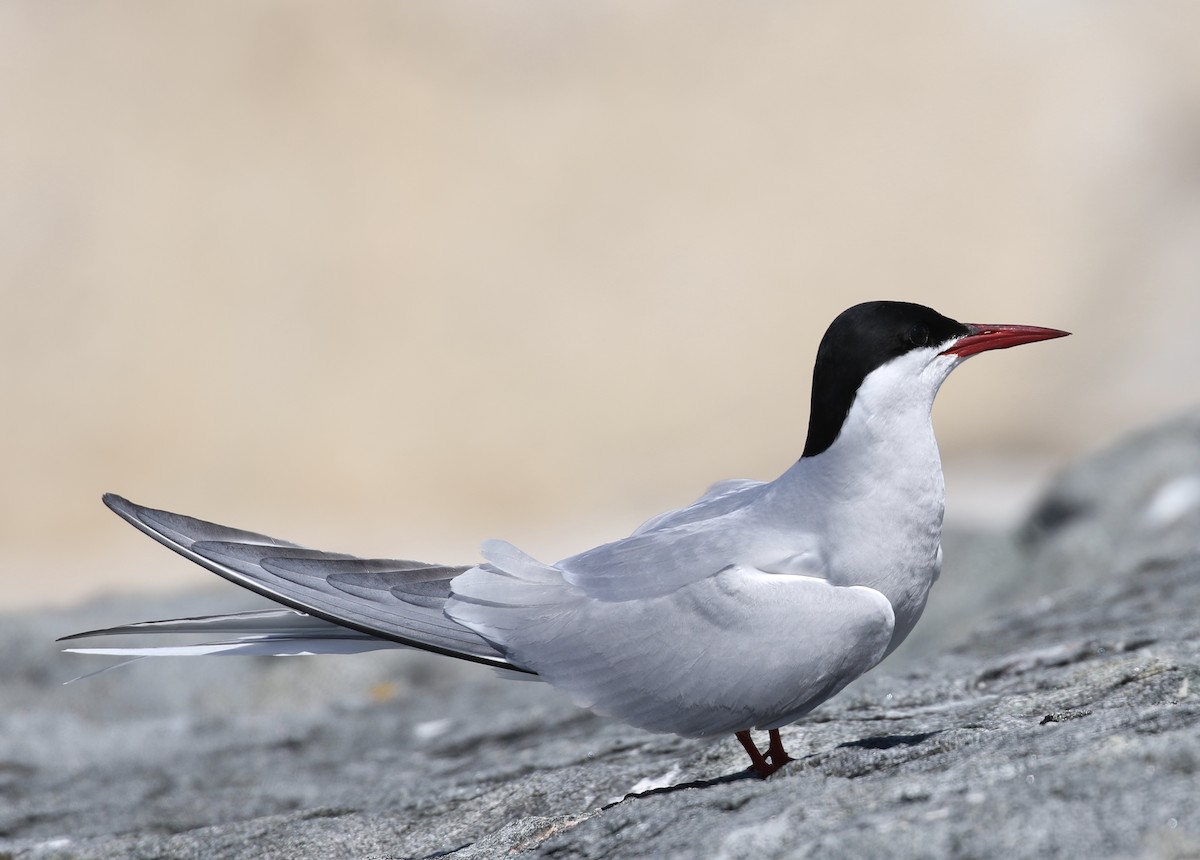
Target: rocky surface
[[1064, 722]]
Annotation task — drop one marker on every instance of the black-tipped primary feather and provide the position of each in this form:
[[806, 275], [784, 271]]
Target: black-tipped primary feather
[[333, 587]]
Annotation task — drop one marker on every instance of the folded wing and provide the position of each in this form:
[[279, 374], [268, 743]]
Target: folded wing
[[738, 649], [332, 596]]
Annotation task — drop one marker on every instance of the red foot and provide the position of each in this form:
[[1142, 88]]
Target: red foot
[[776, 757]]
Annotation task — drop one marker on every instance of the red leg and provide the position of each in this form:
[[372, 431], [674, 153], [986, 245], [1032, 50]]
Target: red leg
[[775, 758], [775, 752], [758, 764]]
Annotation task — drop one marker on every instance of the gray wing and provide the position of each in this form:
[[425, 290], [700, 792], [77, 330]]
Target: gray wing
[[722, 529], [396, 600], [653, 563], [740, 649], [720, 497]]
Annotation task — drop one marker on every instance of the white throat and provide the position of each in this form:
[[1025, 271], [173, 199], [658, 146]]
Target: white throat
[[878, 490]]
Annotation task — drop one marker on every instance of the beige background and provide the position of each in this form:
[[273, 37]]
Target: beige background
[[396, 277]]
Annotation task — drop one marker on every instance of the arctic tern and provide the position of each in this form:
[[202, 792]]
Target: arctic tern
[[744, 610]]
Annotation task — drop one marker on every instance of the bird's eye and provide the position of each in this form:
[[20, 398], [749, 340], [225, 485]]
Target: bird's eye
[[918, 335]]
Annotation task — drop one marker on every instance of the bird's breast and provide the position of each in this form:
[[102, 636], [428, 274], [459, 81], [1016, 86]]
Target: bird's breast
[[871, 508]]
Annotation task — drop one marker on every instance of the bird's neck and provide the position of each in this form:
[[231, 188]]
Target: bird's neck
[[882, 475], [884, 452], [877, 496]]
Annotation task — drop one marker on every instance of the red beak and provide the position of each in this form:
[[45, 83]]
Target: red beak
[[984, 337]]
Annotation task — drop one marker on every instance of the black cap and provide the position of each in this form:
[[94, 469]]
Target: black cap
[[861, 339]]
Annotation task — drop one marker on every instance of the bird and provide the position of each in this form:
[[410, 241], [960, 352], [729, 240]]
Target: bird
[[740, 612]]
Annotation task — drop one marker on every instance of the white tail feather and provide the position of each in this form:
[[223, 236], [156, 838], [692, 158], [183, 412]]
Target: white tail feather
[[248, 648], [265, 633]]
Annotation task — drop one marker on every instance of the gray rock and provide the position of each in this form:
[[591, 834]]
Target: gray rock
[[1066, 725], [1138, 500]]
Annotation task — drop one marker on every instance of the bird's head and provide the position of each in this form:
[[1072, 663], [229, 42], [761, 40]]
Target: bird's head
[[901, 348]]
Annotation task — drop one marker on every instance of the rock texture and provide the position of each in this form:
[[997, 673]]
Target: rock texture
[[1068, 724]]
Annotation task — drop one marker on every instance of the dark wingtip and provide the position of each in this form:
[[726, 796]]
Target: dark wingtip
[[120, 506], [104, 631], [112, 501], [123, 508]]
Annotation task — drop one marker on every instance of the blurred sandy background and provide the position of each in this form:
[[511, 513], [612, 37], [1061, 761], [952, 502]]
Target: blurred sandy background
[[396, 277]]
